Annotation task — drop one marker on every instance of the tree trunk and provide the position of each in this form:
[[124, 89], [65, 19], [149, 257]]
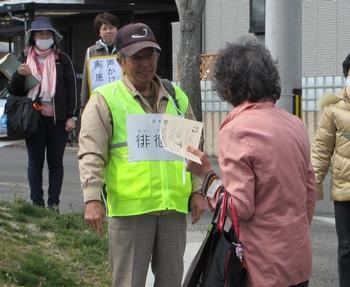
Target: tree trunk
[[189, 58]]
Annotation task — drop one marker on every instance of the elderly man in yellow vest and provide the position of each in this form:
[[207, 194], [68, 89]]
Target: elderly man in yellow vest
[[148, 188]]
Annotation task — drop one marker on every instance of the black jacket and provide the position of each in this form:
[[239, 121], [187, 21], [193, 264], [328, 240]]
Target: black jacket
[[66, 100]]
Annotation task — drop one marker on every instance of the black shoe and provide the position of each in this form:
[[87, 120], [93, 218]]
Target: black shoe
[[54, 208], [39, 204]]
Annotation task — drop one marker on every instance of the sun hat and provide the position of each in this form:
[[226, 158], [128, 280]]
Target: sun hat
[[42, 24], [134, 37]]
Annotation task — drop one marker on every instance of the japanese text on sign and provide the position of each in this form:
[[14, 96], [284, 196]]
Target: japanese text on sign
[[144, 141], [103, 70]]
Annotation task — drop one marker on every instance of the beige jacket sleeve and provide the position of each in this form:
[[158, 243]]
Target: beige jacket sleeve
[[95, 135], [323, 148]]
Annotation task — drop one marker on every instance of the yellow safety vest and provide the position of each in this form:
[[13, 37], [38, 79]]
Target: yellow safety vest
[[141, 187]]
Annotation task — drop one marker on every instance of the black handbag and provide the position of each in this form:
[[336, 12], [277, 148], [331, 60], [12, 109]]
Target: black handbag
[[218, 262], [23, 117]]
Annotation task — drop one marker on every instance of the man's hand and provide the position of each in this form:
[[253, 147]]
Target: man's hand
[[95, 215], [198, 206], [200, 170], [70, 124]]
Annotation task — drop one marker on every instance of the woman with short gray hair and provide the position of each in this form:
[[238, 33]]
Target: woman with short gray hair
[[247, 71], [264, 159]]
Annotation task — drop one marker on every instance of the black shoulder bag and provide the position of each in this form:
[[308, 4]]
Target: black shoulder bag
[[218, 262], [23, 116]]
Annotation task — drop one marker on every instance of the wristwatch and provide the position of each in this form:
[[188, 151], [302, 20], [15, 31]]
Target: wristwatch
[[74, 119]]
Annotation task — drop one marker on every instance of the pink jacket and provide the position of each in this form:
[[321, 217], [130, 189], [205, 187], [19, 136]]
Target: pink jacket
[[264, 158]]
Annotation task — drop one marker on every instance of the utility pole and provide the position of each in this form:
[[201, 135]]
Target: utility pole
[[283, 29]]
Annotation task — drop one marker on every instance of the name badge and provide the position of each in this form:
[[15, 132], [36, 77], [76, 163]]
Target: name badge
[[144, 141], [103, 70]]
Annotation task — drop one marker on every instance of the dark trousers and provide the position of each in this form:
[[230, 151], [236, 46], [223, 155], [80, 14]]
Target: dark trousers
[[342, 225], [303, 284], [50, 138]]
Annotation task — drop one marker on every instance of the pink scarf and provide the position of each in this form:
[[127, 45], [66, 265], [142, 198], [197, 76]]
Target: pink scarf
[[45, 73]]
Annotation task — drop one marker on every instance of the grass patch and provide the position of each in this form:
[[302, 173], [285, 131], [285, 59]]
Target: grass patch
[[40, 248]]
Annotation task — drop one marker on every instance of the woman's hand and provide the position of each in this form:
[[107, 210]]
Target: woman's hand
[[24, 69], [70, 125], [200, 170]]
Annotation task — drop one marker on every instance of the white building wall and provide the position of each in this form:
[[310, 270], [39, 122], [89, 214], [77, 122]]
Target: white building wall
[[326, 39], [325, 44], [325, 32], [224, 21], [342, 31], [319, 38]]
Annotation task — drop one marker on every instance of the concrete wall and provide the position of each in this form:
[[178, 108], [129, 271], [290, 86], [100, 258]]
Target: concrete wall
[[224, 21], [325, 33], [325, 44], [326, 38]]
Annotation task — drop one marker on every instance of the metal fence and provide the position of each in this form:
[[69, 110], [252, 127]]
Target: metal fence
[[215, 110], [315, 87]]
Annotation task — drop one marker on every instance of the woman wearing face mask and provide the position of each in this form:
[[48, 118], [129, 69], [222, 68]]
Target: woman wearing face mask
[[332, 145], [57, 95], [106, 27]]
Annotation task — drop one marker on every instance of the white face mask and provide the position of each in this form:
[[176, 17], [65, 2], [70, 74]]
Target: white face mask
[[44, 44]]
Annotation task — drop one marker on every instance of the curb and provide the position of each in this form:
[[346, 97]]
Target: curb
[[330, 220]]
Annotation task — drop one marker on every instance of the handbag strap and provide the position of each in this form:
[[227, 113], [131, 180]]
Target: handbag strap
[[217, 210], [222, 214], [36, 103]]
